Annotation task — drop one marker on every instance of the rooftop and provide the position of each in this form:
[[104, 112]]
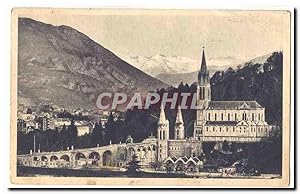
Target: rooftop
[[233, 105]]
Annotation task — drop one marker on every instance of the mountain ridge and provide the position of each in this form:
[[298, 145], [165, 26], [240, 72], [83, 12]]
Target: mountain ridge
[[62, 57], [175, 79]]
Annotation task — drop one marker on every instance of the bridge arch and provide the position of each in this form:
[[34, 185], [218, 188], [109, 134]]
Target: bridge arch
[[107, 159], [130, 152], [53, 158], [79, 155], [44, 159], [65, 158], [94, 157], [142, 151]]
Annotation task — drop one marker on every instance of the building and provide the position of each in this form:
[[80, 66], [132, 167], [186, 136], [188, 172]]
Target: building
[[58, 123], [180, 145], [235, 121], [83, 130]]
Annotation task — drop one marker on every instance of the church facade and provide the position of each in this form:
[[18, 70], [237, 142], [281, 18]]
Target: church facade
[[216, 121], [234, 121]]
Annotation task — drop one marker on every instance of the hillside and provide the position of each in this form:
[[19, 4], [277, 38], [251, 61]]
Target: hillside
[[61, 65]]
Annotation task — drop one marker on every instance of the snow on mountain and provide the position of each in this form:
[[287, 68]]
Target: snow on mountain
[[162, 64]]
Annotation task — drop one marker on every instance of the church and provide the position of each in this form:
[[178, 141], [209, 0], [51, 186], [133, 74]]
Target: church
[[216, 121]]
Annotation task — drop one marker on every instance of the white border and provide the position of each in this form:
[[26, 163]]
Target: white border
[[174, 4]]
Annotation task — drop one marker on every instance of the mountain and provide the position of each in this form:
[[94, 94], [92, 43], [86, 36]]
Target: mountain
[[175, 79], [163, 65], [61, 65], [259, 80]]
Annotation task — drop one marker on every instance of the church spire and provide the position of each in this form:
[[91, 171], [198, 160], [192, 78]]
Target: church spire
[[179, 119], [203, 74], [162, 116], [203, 68], [179, 127]]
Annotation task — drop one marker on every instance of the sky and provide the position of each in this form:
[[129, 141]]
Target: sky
[[225, 34]]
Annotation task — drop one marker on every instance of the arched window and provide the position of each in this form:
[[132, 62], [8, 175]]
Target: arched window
[[252, 116], [228, 117], [215, 116], [209, 116], [235, 116], [203, 93], [200, 93], [222, 116], [164, 135]]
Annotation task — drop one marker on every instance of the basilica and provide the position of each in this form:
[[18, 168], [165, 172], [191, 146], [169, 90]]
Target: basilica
[[216, 121]]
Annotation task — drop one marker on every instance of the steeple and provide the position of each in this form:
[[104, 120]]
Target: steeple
[[203, 68], [203, 74], [179, 127], [163, 126], [179, 119], [162, 116], [162, 135]]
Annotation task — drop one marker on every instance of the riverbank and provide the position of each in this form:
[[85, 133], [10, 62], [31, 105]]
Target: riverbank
[[24, 171]]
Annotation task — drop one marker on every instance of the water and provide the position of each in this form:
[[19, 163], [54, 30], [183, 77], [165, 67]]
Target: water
[[24, 171]]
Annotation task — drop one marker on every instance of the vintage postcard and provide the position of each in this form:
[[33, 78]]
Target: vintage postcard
[[154, 98]]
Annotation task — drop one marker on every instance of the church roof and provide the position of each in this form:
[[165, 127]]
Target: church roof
[[221, 105]]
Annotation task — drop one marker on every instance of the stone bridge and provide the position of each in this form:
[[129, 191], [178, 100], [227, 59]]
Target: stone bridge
[[113, 155]]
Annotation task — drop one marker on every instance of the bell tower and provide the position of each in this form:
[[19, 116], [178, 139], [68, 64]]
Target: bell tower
[[162, 135], [203, 87], [179, 125], [203, 97]]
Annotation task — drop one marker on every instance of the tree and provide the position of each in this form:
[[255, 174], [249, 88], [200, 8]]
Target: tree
[[96, 136], [29, 111], [225, 146], [133, 166], [72, 132]]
